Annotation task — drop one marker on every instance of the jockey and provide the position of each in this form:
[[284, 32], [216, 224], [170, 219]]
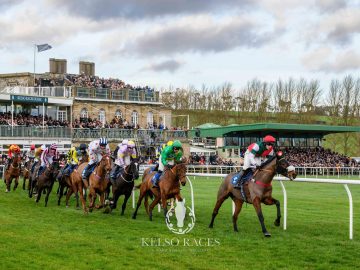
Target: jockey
[[97, 149], [125, 153], [168, 157], [47, 157], [30, 154], [255, 154], [13, 149], [160, 149], [124, 142], [82, 153], [37, 156], [72, 160]]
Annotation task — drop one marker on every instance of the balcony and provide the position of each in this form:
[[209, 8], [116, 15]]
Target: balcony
[[116, 95]]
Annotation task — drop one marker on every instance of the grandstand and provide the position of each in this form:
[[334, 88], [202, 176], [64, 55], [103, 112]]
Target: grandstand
[[303, 143]]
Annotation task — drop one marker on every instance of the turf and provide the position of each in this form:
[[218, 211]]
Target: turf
[[56, 237]]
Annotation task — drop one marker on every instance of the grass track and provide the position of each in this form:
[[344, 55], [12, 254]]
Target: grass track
[[35, 237]]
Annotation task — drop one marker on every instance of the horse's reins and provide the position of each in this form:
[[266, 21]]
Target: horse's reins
[[261, 183], [132, 179]]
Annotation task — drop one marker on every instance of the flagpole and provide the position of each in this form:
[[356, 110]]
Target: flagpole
[[34, 62]]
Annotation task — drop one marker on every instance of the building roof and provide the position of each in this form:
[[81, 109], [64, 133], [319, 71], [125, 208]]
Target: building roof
[[269, 128]]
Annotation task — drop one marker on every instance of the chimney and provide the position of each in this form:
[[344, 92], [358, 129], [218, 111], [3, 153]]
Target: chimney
[[58, 66], [87, 68]]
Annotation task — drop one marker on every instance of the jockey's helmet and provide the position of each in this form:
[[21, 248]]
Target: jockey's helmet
[[177, 145], [170, 143], [83, 146], [43, 147], [103, 141], [32, 147], [269, 139], [53, 146], [131, 144], [124, 142]]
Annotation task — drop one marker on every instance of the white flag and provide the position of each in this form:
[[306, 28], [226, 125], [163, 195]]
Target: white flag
[[43, 47]]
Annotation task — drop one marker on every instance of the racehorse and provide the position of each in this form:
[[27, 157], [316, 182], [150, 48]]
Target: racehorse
[[33, 180], [124, 185], [169, 187], [256, 191], [27, 172], [74, 184], [98, 182], [46, 181], [13, 172]]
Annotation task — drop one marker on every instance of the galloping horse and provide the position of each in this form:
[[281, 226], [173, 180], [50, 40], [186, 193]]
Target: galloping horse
[[26, 172], [257, 191], [98, 182], [124, 185], [46, 181], [169, 187], [13, 172]]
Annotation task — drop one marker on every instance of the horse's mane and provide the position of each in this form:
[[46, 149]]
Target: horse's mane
[[267, 162]]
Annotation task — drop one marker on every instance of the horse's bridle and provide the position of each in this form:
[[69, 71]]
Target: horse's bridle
[[132, 174]]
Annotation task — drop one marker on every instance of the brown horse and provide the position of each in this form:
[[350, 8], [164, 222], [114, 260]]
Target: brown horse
[[124, 185], [13, 172], [46, 181], [77, 186], [169, 187], [99, 183], [26, 172], [257, 191]]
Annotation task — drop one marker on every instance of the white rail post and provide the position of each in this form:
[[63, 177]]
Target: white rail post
[[285, 204], [351, 211], [133, 198]]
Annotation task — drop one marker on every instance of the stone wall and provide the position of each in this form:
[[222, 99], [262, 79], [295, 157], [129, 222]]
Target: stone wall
[[126, 110]]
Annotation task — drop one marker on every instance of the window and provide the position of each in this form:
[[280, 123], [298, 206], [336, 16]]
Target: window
[[84, 113], [102, 118], [118, 114], [134, 118], [150, 119], [61, 116]]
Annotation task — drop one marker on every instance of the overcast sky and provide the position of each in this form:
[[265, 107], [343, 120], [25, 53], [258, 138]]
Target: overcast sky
[[189, 42]]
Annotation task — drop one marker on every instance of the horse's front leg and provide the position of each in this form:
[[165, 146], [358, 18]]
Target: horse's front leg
[[127, 196], [257, 206], [164, 203], [16, 182], [102, 201], [271, 201]]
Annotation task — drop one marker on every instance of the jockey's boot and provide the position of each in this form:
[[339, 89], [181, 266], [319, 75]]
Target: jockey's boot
[[114, 173], [238, 178], [155, 168], [40, 171], [156, 179], [33, 167]]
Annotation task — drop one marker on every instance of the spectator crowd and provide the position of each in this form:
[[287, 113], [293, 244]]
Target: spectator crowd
[[298, 157], [25, 119], [89, 82]]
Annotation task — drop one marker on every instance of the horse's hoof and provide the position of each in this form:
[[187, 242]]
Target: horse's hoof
[[277, 223], [133, 217], [211, 226], [267, 234], [90, 210], [67, 206], [107, 210], [6, 190]]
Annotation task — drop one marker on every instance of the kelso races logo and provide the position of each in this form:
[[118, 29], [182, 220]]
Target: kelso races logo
[[180, 223]]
